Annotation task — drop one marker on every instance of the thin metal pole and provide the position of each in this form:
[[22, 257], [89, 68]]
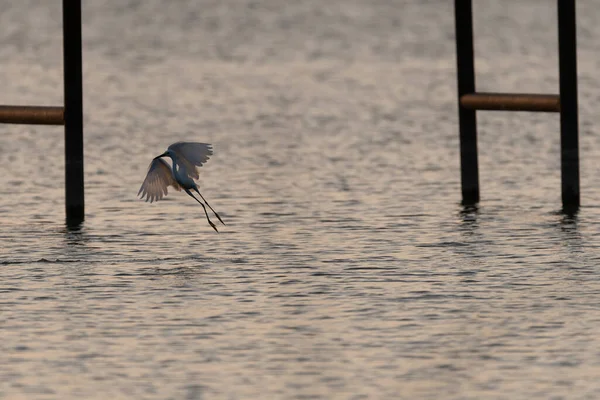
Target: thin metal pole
[[569, 140], [465, 69], [74, 189]]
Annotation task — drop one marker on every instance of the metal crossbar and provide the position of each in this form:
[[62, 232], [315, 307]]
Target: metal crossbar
[[34, 115], [511, 102]]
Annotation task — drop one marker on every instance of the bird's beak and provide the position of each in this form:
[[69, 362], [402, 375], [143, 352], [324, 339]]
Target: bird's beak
[[162, 155]]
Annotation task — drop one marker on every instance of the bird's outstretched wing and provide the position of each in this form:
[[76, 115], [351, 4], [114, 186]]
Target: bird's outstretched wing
[[157, 180], [191, 155]]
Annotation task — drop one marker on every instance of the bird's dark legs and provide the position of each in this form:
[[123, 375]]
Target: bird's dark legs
[[211, 209], [208, 219]]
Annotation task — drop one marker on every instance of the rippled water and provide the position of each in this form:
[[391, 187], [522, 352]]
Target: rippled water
[[347, 268]]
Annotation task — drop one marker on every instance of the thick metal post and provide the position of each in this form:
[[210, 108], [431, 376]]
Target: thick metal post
[[74, 190], [569, 136], [465, 69]]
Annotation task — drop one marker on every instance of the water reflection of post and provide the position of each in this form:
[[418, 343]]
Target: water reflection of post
[[570, 234], [468, 215]]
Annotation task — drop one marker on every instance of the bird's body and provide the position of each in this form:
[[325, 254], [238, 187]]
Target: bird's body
[[181, 177], [185, 157]]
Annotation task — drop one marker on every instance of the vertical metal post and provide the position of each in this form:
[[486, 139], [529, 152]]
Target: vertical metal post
[[74, 190], [569, 140], [465, 69]]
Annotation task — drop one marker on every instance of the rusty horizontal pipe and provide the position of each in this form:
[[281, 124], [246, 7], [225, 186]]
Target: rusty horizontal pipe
[[511, 102], [34, 115]]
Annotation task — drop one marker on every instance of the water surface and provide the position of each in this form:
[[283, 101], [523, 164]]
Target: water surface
[[347, 268]]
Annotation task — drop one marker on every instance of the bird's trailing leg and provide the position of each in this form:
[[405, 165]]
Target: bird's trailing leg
[[211, 209], [208, 219]]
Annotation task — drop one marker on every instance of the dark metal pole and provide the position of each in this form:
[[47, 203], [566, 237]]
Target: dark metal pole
[[73, 112], [569, 140], [465, 69]]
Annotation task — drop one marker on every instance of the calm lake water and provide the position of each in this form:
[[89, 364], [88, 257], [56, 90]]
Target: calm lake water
[[347, 269]]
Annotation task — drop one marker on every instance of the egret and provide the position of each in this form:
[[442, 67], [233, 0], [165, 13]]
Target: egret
[[186, 157]]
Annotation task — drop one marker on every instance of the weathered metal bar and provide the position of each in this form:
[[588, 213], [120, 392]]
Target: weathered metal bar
[[467, 119], [511, 102], [72, 69], [34, 115], [569, 136]]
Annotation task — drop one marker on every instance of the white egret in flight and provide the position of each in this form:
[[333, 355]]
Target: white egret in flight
[[186, 157]]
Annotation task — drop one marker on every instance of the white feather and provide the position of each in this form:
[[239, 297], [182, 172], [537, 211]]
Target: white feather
[[157, 180], [191, 155]]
